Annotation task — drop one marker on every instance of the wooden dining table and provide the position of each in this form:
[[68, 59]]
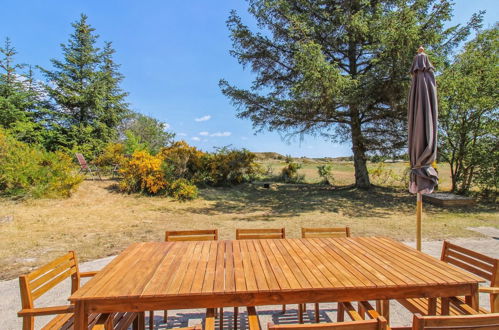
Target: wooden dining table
[[209, 274]]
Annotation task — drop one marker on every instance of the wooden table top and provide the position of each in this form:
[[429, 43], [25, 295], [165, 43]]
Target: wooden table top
[[269, 271]]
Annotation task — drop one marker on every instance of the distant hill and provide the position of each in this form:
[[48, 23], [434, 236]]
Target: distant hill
[[278, 156], [269, 155]]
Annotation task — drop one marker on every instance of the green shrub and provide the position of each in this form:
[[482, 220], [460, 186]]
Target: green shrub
[[231, 166], [31, 171], [325, 172], [183, 161], [182, 190], [289, 173]]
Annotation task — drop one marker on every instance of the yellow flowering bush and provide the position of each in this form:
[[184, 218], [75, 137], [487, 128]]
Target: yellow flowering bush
[[183, 161], [183, 190], [143, 173]]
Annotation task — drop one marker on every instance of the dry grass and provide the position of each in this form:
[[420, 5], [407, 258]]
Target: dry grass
[[97, 221]]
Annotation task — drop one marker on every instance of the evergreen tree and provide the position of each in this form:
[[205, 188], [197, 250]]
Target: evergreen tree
[[85, 88], [338, 68], [23, 109]]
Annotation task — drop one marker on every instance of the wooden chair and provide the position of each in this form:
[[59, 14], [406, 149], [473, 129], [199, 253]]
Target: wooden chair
[[461, 322], [477, 321], [86, 167], [263, 233], [377, 324], [191, 235], [323, 233], [473, 262], [184, 235], [41, 280]]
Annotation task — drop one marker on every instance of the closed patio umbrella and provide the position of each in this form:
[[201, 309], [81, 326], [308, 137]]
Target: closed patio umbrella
[[422, 122]]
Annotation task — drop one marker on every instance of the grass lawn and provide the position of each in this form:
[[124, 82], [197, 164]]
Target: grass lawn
[[97, 221]]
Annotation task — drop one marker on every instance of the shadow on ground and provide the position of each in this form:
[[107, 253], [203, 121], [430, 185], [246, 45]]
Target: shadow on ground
[[189, 318]]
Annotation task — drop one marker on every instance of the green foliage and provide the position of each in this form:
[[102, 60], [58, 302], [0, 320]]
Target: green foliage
[[338, 68], [231, 166], [184, 161], [23, 109], [28, 171], [85, 87], [289, 173], [133, 143], [487, 175], [326, 173], [146, 133], [383, 176], [468, 118], [182, 190]]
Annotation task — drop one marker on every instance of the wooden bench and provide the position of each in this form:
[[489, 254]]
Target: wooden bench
[[473, 262], [41, 280]]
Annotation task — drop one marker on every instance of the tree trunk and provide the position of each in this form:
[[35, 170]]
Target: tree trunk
[[359, 156]]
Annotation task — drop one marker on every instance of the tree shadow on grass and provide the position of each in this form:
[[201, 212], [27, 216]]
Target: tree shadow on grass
[[288, 200]]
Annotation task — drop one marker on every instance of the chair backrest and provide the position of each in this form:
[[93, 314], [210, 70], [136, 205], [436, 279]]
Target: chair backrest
[[191, 235], [264, 233], [81, 160], [39, 281], [462, 322], [376, 324], [471, 261], [325, 232]]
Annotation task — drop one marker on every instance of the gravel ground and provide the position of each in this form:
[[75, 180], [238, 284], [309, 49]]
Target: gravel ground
[[10, 302]]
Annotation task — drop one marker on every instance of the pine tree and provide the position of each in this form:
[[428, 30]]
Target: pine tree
[[338, 68], [85, 88], [23, 109]]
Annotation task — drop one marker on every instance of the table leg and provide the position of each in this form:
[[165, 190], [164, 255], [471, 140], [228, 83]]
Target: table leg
[[445, 305], [432, 306], [473, 299], [81, 316]]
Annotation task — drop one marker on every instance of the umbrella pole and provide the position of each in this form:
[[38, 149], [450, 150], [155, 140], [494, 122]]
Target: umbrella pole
[[419, 211]]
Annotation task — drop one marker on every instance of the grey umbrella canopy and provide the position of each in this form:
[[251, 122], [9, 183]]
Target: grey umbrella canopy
[[422, 120]]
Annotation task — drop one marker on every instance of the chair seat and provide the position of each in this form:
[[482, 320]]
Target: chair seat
[[420, 305], [121, 321]]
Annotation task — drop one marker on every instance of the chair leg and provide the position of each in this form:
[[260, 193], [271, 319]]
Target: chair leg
[[151, 320], [141, 320], [284, 309], [165, 316], [362, 311], [221, 318], [236, 317], [300, 313], [317, 313], [341, 312]]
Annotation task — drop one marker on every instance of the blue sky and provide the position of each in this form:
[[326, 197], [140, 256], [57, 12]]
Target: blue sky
[[173, 54]]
